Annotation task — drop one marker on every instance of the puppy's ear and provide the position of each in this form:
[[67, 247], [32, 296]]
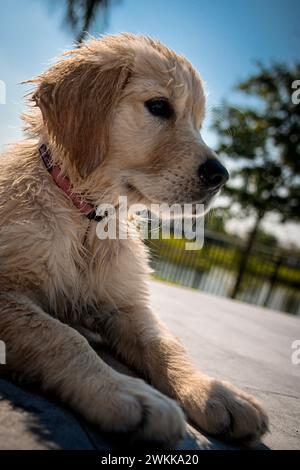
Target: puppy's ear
[[77, 98]]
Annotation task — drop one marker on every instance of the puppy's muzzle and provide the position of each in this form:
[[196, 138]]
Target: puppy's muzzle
[[212, 174]]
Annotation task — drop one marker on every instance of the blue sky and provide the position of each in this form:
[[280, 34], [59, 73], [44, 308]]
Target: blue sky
[[222, 38]]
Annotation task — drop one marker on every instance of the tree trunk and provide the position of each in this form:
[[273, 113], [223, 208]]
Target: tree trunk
[[245, 255], [273, 279]]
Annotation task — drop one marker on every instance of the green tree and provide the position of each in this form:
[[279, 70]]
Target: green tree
[[216, 220], [266, 238], [82, 14], [261, 141]]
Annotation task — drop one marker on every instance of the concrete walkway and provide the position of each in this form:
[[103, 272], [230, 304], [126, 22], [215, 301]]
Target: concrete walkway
[[230, 340]]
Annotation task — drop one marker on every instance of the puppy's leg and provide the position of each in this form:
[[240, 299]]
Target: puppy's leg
[[44, 350], [217, 407]]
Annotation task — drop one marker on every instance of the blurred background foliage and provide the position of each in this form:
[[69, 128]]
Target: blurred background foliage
[[81, 15], [264, 143]]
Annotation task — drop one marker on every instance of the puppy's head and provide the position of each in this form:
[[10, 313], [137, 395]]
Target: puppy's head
[[130, 109]]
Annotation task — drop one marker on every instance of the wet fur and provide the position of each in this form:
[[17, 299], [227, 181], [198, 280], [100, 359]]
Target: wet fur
[[56, 276]]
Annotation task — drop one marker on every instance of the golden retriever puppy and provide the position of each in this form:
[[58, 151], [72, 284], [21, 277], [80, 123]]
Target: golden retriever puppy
[[118, 116]]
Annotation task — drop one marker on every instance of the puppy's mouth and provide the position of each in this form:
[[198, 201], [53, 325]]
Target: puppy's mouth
[[135, 192], [209, 198], [206, 199]]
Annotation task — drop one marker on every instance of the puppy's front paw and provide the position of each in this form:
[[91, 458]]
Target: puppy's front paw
[[136, 408], [223, 410]]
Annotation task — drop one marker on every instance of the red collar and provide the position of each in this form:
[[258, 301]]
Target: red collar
[[64, 184]]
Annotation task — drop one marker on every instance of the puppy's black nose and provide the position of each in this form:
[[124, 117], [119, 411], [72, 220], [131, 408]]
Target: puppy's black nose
[[213, 174]]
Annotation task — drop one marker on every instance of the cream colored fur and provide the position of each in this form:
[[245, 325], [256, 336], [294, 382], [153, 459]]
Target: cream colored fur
[[56, 276]]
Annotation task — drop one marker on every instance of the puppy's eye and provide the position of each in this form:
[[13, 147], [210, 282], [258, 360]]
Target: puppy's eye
[[160, 108]]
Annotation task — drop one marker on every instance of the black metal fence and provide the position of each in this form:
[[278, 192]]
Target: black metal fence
[[270, 279]]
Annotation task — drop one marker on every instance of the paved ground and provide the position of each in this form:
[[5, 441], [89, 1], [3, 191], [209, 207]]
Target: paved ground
[[230, 340]]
